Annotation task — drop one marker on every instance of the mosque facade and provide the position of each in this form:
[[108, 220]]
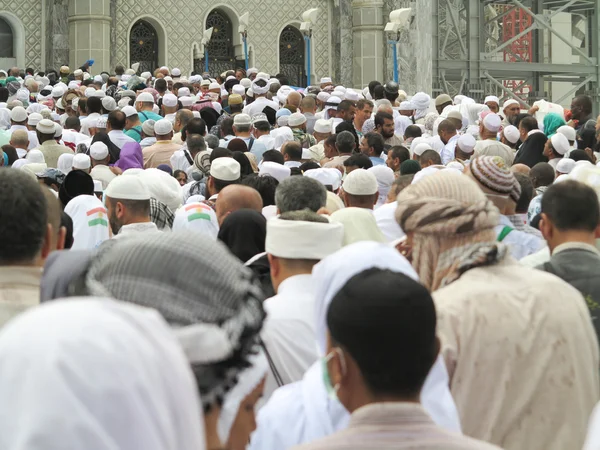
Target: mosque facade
[[348, 41]]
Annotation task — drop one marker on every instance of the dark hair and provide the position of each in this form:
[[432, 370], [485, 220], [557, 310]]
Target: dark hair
[[194, 126], [72, 123], [400, 152], [527, 192], [24, 217], [274, 156], [116, 119], [309, 165], [359, 160], [399, 319], [447, 126], [136, 207], [82, 105], [237, 145], [345, 105], [262, 125], [579, 155], [11, 152], [372, 85], [542, 174], [378, 92], [227, 126], [529, 123], [349, 127], [293, 149], [160, 85], [298, 193], [571, 205], [94, 105], [413, 131], [220, 152], [376, 141], [119, 69], [283, 80], [381, 116], [3, 94], [177, 172], [67, 222], [266, 186], [245, 166], [430, 155], [360, 105]]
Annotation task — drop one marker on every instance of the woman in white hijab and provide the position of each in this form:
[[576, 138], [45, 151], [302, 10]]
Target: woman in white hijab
[[90, 222], [303, 411], [197, 217], [96, 374], [65, 162]]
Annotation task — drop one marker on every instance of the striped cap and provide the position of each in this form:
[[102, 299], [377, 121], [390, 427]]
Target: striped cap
[[492, 173]]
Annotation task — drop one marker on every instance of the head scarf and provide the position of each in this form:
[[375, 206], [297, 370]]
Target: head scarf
[[552, 122], [161, 214], [473, 111], [421, 102], [211, 300], [245, 166], [162, 187], [244, 232], [4, 118], [113, 151], [202, 163], [452, 223], [359, 225], [586, 136], [198, 217], [430, 119], [65, 162], [90, 222], [76, 183], [104, 394], [282, 135], [131, 157], [531, 151]]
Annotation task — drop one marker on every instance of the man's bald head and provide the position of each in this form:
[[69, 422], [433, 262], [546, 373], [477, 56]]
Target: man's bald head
[[520, 168], [19, 139], [235, 197], [294, 98]]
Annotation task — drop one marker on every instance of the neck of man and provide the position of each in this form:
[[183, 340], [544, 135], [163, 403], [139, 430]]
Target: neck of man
[[363, 397], [136, 219], [567, 236], [286, 273], [489, 135], [358, 123], [242, 135]]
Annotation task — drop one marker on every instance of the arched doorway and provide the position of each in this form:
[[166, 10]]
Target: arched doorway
[[143, 46], [291, 56], [221, 50], [7, 49]]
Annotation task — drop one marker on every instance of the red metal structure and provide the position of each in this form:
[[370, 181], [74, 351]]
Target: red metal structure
[[515, 22]]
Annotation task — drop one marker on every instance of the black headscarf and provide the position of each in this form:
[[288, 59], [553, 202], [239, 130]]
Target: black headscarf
[[245, 166], [77, 182], [586, 136], [531, 151], [113, 150], [244, 232]]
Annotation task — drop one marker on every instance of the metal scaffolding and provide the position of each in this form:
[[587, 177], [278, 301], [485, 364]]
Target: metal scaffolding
[[517, 49]]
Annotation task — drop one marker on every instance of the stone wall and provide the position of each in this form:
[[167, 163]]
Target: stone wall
[[28, 14]]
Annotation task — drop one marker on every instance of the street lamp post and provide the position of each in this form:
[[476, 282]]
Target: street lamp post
[[309, 17], [205, 40], [399, 20], [243, 30]]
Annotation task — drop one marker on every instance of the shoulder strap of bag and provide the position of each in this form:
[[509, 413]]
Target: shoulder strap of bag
[[505, 232], [274, 370], [250, 143]]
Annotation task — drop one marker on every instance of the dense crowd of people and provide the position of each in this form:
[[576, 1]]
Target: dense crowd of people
[[190, 262]]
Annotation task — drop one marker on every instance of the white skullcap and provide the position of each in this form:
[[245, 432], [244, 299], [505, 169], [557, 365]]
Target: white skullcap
[[163, 127], [162, 186], [510, 102], [467, 143], [58, 130], [406, 106], [322, 126], [75, 103], [98, 151], [73, 84], [492, 98], [98, 93], [421, 148], [205, 82], [45, 126], [560, 143], [339, 94], [18, 114], [212, 86], [183, 92], [421, 101], [225, 169], [296, 119], [325, 80], [101, 122], [78, 72], [238, 89], [256, 89], [59, 104], [169, 100], [323, 96], [109, 103], [385, 178], [511, 133], [360, 182], [146, 75], [148, 127], [246, 82], [351, 95], [251, 71], [23, 95], [325, 176], [264, 75], [127, 188], [168, 78], [565, 165], [145, 97], [129, 111], [276, 170], [283, 93], [57, 91], [297, 239], [98, 79], [34, 119], [35, 156], [242, 119], [492, 122], [568, 132], [89, 92], [340, 88], [187, 101], [81, 161], [176, 72]]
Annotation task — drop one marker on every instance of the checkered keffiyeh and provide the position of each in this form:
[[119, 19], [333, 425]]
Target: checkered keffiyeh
[[161, 214], [212, 301]]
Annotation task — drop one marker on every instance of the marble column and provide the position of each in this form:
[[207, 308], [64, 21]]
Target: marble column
[[90, 33], [113, 34], [368, 42], [424, 50], [345, 54], [57, 34]]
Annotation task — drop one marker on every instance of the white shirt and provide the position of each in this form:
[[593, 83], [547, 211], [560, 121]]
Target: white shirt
[[178, 159], [289, 330], [291, 164], [147, 142], [85, 129], [171, 117], [33, 140], [521, 244], [119, 138], [21, 153], [386, 221], [554, 162], [448, 150], [258, 105], [267, 140], [74, 136], [135, 229], [102, 173]]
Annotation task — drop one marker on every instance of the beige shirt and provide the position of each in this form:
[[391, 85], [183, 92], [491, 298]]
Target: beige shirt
[[177, 139], [19, 290], [394, 426], [52, 152], [159, 153], [336, 161], [394, 140], [102, 173], [491, 147], [522, 357]]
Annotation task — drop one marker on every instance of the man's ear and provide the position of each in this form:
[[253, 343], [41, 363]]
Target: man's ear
[[62, 237], [545, 226], [47, 245]]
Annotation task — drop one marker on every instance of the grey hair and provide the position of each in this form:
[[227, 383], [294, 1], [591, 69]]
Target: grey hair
[[195, 143], [242, 128], [211, 140], [298, 193], [305, 215], [345, 142]]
